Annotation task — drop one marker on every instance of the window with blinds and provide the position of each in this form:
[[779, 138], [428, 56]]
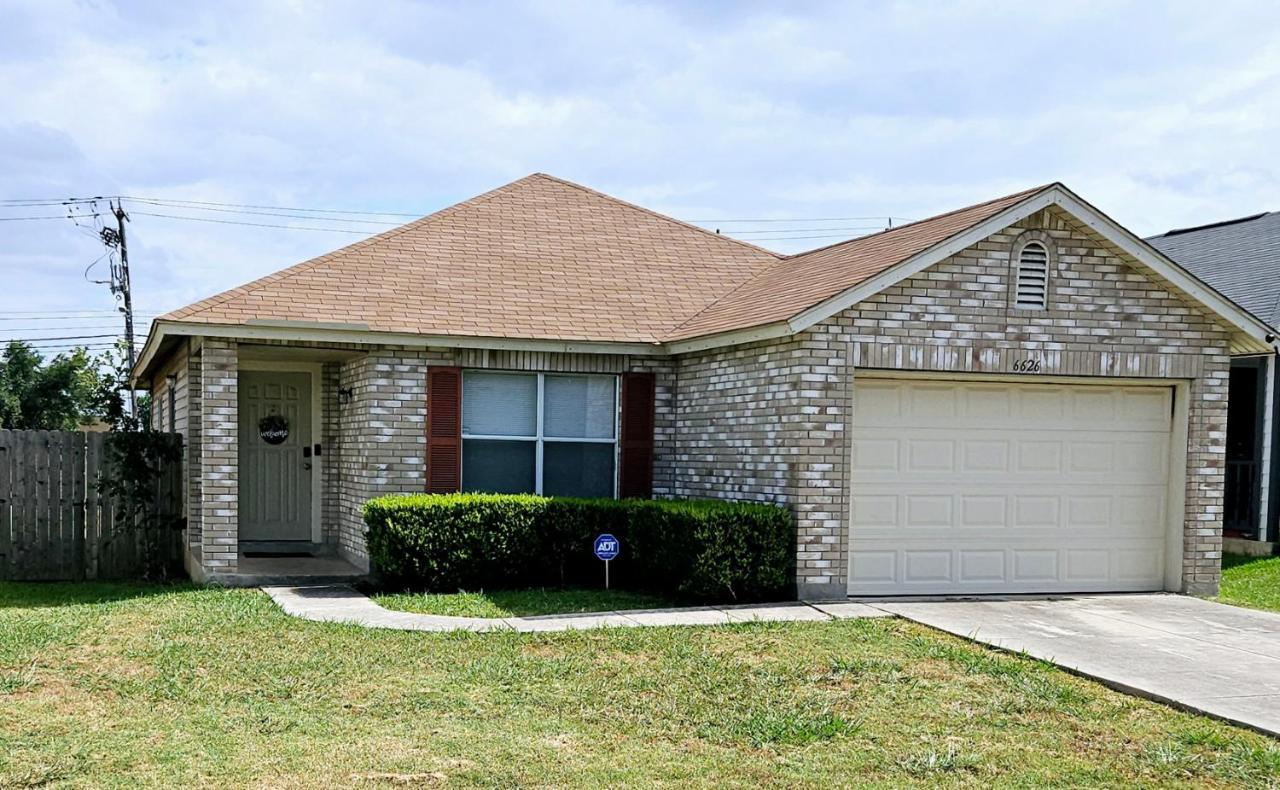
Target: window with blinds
[[1032, 292], [553, 434]]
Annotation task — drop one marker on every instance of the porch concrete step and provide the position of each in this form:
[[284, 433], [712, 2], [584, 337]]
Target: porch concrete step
[[288, 571]]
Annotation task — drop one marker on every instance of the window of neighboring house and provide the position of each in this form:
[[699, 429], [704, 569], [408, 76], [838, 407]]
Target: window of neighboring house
[[173, 408], [543, 433], [1033, 277], [157, 413]]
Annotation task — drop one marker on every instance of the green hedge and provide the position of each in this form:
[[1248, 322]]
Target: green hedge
[[706, 550]]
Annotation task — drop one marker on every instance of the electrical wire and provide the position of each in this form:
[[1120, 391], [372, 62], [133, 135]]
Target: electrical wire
[[196, 203], [252, 224], [803, 230], [60, 337], [793, 219], [44, 315], [57, 328], [263, 207], [163, 204]]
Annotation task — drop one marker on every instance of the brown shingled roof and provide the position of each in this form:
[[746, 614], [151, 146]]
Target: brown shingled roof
[[794, 284], [539, 258], [542, 258]]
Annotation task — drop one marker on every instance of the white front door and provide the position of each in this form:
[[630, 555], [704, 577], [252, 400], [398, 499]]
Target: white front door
[[999, 487], [275, 456]]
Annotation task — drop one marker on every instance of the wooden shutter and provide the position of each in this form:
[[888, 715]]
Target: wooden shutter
[[635, 448], [444, 430]]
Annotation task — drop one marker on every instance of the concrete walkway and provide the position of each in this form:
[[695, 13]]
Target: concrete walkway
[[1207, 657], [340, 603]]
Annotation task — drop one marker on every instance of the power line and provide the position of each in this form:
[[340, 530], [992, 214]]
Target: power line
[[794, 219], [278, 208], [54, 328], [253, 224], [60, 337], [41, 315], [46, 346], [166, 204], [59, 216], [356, 212], [52, 201], [804, 230], [801, 238]]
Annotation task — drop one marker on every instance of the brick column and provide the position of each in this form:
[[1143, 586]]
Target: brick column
[[817, 437], [1206, 477], [219, 422], [195, 456]]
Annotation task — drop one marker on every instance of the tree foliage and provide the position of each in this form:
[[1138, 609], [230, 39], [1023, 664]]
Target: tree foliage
[[56, 394]]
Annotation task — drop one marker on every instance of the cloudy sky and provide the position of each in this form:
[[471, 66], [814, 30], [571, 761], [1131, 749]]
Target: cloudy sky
[[818, 114]]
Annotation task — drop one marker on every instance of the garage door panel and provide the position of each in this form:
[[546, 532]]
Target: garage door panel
[[999, 487], [978, 511], [986, 455], [929, 510]]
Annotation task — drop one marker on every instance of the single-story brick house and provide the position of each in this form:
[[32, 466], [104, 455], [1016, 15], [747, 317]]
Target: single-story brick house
[[1017, 396]]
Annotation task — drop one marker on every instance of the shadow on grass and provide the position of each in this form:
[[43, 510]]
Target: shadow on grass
[[41, 595], [1230, 561]]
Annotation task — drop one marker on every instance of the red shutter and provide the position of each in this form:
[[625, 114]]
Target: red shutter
[[444, 430], [635, 450]]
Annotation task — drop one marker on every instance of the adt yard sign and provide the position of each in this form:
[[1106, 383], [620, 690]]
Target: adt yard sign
[[607, 547]]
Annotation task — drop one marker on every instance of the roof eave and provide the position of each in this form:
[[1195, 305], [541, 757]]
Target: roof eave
[[320, 332]]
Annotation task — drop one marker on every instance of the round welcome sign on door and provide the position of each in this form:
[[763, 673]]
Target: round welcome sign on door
[[273, 429]]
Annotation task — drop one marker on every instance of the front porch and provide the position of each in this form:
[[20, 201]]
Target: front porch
[[286, 443]]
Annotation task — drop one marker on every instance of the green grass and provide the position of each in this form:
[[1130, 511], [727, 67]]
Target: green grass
[[1250, 581], [132, 686], [516, 603]]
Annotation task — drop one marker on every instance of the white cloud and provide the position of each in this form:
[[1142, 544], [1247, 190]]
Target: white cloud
[[723, 110]]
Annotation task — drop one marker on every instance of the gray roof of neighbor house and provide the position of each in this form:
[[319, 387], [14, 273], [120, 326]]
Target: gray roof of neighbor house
[[1240, 258]]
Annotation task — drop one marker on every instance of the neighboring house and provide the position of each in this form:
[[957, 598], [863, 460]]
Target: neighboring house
[[1241, 259], [1018, 396]]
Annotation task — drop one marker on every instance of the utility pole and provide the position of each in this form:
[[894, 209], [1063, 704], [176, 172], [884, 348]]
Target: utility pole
[[114, 237]]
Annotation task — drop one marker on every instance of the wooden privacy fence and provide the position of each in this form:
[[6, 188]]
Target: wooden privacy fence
[[56, 524]]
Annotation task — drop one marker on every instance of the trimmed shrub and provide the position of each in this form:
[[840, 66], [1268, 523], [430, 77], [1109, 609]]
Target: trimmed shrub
[[704, 550]]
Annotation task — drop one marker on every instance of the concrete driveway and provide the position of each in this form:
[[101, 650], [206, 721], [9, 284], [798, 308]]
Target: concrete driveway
[[1220, 660]]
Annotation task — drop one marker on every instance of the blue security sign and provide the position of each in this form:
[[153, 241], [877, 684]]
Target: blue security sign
[[607, 547]]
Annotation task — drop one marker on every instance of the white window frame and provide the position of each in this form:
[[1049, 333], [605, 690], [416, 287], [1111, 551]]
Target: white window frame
[[539, 437]]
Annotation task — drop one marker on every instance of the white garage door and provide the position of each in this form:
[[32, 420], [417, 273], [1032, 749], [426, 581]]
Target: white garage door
[[996, 487]]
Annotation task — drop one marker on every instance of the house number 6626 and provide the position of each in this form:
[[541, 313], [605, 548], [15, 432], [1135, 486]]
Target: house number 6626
[[1026, 366]]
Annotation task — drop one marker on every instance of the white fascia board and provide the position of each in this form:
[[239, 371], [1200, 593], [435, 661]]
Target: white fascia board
[[149, 350], [299, 331], [921, 261], [1162, 265], [1253, 328], [734, 338]]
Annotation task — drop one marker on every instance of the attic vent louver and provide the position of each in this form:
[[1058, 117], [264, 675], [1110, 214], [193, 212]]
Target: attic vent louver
[[1033, 277]]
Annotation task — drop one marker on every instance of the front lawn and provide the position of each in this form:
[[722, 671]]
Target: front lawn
[[146, 686], [1250, 581], [517, 603]]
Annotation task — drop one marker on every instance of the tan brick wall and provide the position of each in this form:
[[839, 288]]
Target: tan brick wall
[[772, 420], [381, 431], [219, 475], [195, 451]]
